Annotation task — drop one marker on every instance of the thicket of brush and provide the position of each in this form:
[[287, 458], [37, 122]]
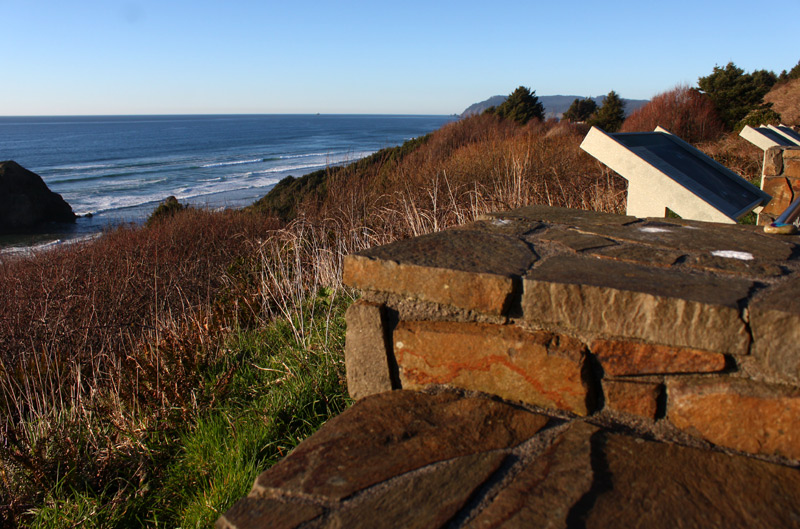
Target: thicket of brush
[[685, 112], [148, 376], [477, 164]]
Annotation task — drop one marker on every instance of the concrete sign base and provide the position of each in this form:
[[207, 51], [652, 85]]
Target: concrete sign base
[[664, 172]]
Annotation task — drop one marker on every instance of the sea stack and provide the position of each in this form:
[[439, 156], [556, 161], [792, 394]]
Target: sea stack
[[26, 202]]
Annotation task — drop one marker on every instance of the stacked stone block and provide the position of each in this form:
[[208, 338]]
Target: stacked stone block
[[781, 179], [681, 324]]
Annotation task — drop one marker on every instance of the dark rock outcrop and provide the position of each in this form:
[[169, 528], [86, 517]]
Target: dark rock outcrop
[[26, 202]]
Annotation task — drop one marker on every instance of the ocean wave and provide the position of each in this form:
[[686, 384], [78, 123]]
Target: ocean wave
[[285, 168], [335, 156], [119, 173], [108, 203], [124, 189], [81, 167], [28, 250], [237, 162], [305, 155], [119, 165], [77, 179]]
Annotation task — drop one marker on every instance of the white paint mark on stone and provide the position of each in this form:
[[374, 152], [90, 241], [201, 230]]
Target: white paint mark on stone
[[733, 254], [399, 345], [653, 229]]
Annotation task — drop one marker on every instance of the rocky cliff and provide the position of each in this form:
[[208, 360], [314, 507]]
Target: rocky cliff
[[26, 202]]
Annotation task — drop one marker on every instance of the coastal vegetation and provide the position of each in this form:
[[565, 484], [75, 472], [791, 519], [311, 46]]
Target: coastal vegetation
[[580, 110], [608, 116], [168, 208], [735, 93], [611, 113], [148, 376], [521, 106], [684, 111]]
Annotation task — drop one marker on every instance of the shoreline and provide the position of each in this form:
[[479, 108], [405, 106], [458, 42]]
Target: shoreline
[[88, 228]]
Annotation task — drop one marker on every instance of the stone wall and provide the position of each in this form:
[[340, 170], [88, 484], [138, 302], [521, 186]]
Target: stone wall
[[661, 323], [781, 179]]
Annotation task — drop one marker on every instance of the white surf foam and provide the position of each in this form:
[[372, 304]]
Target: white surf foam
[[236, 162]]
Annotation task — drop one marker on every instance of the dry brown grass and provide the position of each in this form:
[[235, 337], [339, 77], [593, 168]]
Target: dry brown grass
[[738, 155], [470, 167], [103, 343], [785, 99], [91, 297]]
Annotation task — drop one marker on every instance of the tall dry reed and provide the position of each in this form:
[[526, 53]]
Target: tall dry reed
[[468, 168]]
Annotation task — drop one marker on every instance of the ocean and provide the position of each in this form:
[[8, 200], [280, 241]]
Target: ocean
[[118, 168]]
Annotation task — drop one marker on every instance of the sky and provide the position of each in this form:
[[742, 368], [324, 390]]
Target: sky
[[372, 57]]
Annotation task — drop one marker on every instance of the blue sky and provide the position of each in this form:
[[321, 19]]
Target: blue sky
[[410, 57]]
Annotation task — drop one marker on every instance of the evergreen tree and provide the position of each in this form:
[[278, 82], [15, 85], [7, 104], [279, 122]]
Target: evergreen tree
[[735, 93], [580, 110], [794, 73], [521, 106], [611, 114]]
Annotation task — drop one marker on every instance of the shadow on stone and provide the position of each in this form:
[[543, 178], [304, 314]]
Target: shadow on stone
[[601, 484]]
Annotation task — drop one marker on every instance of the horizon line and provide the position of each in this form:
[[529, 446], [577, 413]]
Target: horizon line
[[219, 114]]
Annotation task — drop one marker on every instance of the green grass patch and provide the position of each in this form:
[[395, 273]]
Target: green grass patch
[[270, 391]]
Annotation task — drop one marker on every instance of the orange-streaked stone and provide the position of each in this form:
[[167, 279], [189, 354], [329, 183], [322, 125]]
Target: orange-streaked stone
[[540, 368], [635, 398], [620, 357], [737, 413]]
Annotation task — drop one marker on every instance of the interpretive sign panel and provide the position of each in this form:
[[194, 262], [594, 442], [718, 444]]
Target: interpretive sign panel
[[766, 137], [788, 133], [664, 171]]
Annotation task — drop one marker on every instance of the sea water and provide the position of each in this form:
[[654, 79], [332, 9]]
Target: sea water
[[118, 168]]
